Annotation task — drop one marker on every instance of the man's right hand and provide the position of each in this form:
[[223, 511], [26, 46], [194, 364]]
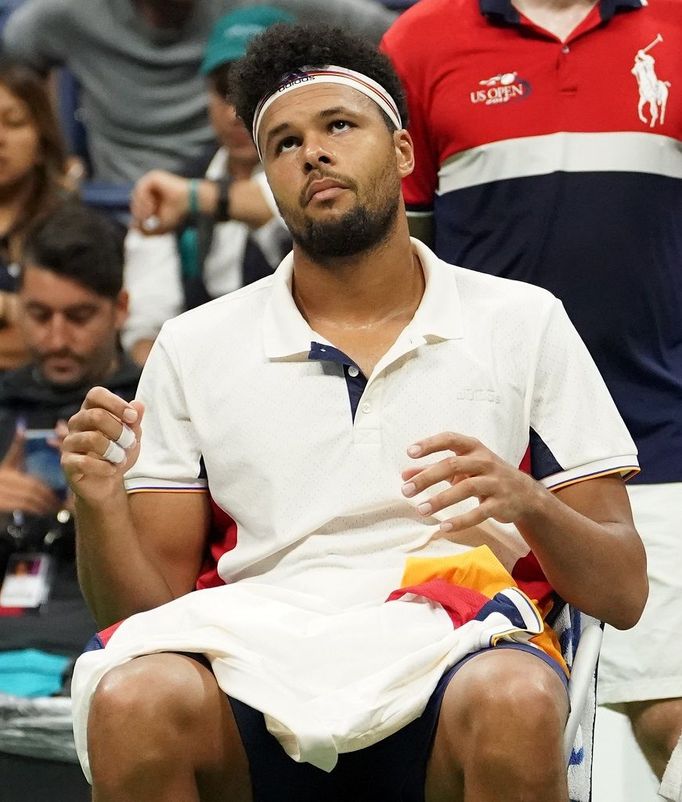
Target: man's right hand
[[18, 489], [160, 202], [92, 430]]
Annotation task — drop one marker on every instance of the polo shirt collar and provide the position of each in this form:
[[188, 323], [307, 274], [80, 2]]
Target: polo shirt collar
[[287, 335], [505, 11], [439, 313], [285, 330]]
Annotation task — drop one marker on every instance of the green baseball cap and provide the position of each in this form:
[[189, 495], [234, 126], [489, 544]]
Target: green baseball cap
[[231, 35]]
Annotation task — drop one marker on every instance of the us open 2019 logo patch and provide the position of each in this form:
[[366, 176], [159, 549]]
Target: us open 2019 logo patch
[[507, 87]]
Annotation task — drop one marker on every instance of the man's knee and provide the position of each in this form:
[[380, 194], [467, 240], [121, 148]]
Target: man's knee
[[525, 694], [657, 726], [146, 691], [505, 709], [151, 712], [163, 719], [500, 731]]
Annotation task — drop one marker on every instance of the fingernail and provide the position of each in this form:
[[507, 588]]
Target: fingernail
[[425, 508], [130, 415], [446, 527], [414, 451], [409, 489]]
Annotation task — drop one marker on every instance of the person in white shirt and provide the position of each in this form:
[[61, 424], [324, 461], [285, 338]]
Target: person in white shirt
[[226, 243]]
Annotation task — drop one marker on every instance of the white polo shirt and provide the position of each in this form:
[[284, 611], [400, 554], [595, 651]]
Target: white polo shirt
[[235, 406]]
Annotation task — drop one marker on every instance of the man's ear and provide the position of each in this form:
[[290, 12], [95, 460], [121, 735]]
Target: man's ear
[[404, 149], [121, 309]]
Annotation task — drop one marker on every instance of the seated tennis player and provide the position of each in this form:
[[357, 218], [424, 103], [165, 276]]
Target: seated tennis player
[[331, 571]]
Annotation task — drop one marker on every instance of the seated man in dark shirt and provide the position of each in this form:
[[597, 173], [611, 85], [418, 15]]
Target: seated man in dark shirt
[[72, 309]]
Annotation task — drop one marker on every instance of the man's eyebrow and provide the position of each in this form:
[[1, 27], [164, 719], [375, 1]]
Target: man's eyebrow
[[85, 306], [273, 132], [336, 110]]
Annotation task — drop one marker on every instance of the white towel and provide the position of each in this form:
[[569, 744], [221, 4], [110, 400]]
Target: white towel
[[671, 785]]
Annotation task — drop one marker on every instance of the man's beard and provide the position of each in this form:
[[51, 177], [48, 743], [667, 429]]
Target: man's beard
[[358, 231]]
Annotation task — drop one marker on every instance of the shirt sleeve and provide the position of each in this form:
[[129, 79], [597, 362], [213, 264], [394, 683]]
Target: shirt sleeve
[[576, 431], [151, 275], [35, 34], [170, 456]]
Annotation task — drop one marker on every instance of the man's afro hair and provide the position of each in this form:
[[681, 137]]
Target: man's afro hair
[[285, 48]]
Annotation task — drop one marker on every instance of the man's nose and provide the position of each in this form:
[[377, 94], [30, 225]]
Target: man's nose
[[57, 333], [316, 153]]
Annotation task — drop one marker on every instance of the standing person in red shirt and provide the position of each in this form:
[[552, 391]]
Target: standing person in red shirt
[[548, 143]]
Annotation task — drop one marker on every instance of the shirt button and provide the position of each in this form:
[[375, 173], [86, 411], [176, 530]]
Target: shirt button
[[353, 371], [565, 49], [366, 407]]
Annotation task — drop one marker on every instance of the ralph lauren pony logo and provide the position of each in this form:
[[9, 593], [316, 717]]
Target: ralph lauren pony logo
[[653, 92]]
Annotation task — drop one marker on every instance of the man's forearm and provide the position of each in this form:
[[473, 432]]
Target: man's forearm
[[598, 566], [116, 576]]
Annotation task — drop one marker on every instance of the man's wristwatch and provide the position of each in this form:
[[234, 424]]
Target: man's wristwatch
[[222, 209]]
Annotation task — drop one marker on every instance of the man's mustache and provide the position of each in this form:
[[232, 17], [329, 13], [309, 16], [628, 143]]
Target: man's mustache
[[318, 175], [65, 353]]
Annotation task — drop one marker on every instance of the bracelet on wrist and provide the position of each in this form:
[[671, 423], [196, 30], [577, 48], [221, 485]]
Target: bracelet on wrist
[[222, 209], [193, 197]]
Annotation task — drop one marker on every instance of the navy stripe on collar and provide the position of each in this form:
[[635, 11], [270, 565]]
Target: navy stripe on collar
[[506, 11]]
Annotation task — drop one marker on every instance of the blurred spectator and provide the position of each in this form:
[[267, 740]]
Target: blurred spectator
[[6, 8], [137, 62], [548, 139], [167, 274], [32, 181], [72, 307]]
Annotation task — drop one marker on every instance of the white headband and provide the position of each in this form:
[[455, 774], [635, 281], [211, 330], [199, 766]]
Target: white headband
[[327, 75]]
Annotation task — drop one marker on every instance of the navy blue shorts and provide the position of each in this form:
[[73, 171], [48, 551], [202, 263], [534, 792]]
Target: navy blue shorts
[[393, 770]]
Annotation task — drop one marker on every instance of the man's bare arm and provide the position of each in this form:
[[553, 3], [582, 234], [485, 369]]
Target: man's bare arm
[[133, 552], [161, 201], [582, 535]]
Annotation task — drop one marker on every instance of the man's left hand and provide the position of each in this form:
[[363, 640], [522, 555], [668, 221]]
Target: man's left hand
[[473, 471]]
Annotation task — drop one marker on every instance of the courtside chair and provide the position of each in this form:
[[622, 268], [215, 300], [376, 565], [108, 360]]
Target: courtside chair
[[580, 637]]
